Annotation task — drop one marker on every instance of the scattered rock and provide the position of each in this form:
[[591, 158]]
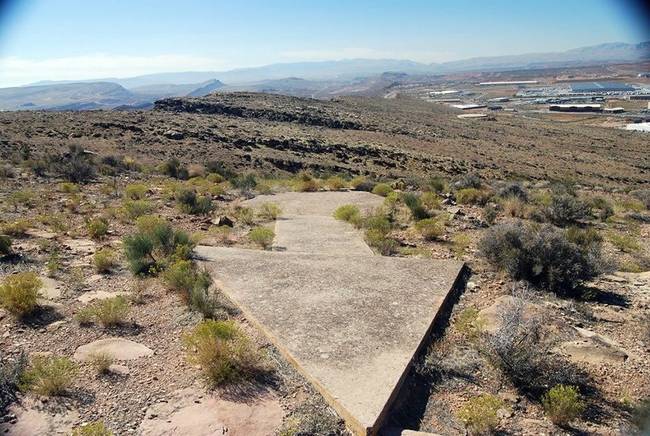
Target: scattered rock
[[119, 348], [223, 221], [51, 289], [174, 134], [30, 420], [38, 233], [188, 413], [119, 369], [592, 348]]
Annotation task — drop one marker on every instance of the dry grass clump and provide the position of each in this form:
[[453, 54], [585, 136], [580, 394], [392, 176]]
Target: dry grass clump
[[135, 191], [193, 285], [19, 293], [49, 375], [480, 413], [306, 183], [430, 228], [562, 404], [269, 211], [382, 189], [101, 362], [97, 227], [96, 428], [134, 209], [349, 213], [104, 260], [335, 183], [16, 228], [108, 312], [262, 236], [473, 196], [223, 351]]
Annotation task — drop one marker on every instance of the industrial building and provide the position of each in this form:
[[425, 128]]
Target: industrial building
[[515, 82], [597, 87], [575, 108], [467, 106]]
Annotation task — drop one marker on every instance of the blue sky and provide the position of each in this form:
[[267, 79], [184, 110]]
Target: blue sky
[[75, 39]]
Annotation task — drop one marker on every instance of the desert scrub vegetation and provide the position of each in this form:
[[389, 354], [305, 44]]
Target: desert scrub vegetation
[[335, 183], [49, 375], [469, 324], [76, 166], [305, 182], [16, 228], [460, 243], [223, 351], [262, 236], [5, 245], [475, 196], [269, 211], [108, 312], [414, 204], [430, 228], [154, 245], [377, 228], [479, 414], [11, 371], [95, 428], [104, 260], [135, 191], [566, 209], [543, 255], [382, 189], [244, 183], [188, 202], [184, 278], [19, 293], [349, 213], [97, 227], [623, 242], [134, 209], [173, 168], [101, 362], [562, 404]]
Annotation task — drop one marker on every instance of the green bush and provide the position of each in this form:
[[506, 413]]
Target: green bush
[[625, 243], [480, 413], [104, 260], [222, 350], [180, 276], [473, 196], [244, 183], [97, 227], [5, 245], [16, 228], [155, 244], [49, 376], [96, 428], [438, 185], [335, 183], [108, 312], [378, 240], [137, 208], [414, 203], [135, 191], [430, 200], [382, 189], [19, 293], [262, 236], [245, 215], [513, 190], [269, 211], [349, 213], [541, 254], [430, 228], [173, 168], [189, 202], [562, 404], [566, 209], [75, 166], [101, 361], [306, 183]]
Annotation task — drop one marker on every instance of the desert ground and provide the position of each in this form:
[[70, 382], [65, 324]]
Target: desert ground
[[113, 323]]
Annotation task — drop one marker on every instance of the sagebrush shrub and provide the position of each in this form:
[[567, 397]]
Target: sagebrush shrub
[[137, 208], [180, 276], [222, 350], [467, 181], [174, 168], [479, 414], [513, 189], [335, 183], [269, 211], [108, 312], [473, 196], [49, 375], [104, 260], [642, 195], [566, 209], [382, 189], [76, 165], [414, 203], [5, 245], [135, 191], [349, 213], [19, 293], [191, 203], [244, 183], [96, 428], [97, 227], [430, 228], [262, 236], [562, 404], [430, 200], [542, 255]]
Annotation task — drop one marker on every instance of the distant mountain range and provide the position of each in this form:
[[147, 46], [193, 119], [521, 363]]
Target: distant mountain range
[[324, 78]]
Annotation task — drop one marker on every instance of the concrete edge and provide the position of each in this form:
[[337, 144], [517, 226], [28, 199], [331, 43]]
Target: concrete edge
[[449, 299]]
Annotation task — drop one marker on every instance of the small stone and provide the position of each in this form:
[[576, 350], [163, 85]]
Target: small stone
[[471, 286]]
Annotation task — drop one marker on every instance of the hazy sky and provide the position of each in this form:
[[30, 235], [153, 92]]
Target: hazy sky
[[81, 39]]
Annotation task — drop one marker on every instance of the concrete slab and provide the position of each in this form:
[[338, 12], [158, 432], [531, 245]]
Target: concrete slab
[[350, 324], [349, 320], [317, 203], [118, 348]]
